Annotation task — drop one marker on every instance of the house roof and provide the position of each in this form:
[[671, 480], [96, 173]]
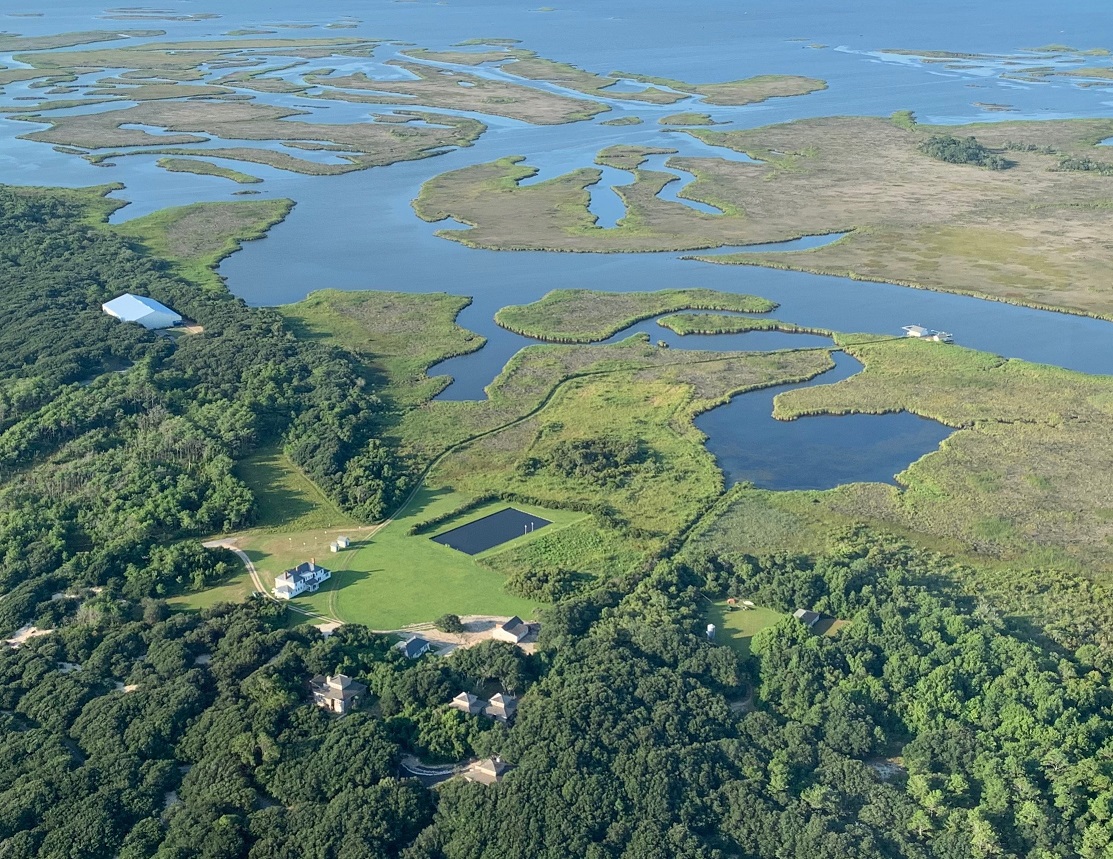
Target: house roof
[[338, 687], [487, 771], [515, 627], [413, 646], [301, 572], [139, 308], [467, 702], [806, 616], [501, 706]]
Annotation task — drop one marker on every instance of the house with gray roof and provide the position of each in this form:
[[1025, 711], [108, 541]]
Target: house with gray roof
[[806, 616], [304, 578], [501, 707], [413, 647], [337, 694], [487, 771], [514, 630], [466, 702]]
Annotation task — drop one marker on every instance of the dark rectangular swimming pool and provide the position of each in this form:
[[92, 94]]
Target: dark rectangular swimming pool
[[490, 531]]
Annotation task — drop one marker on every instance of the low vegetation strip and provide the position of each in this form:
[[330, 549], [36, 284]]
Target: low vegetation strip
[[739, 92], [360, 144], [435, 87], [206, 168], [587, 316], [524, 63], [719, 323]]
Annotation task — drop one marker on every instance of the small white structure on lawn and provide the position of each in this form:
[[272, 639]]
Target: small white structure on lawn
[[301, 579], [343, 542], [145, 311], [710, 632]]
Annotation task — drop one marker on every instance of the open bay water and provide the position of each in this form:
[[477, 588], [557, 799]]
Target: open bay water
[[358, 231]]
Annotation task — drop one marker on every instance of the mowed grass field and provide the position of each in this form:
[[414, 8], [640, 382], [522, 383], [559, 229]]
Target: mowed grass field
[[736, 628], [391, 578], [385, 581]]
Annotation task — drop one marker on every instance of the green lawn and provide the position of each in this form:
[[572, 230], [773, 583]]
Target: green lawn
[[736, 628], [394, 578], [285, 498], [235, 588]]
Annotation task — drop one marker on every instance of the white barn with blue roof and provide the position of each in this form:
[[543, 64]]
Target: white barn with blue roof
[[138, 308]]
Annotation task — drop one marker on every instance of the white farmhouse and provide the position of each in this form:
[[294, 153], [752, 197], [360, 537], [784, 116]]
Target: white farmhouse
[[138, 308], [304, 578]]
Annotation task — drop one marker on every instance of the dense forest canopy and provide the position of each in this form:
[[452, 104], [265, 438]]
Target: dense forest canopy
[[924, 729], [962, 150]]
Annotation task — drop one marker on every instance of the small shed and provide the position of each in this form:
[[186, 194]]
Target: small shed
[[343, 542], [806, 616], [334, 547], [145, 311]]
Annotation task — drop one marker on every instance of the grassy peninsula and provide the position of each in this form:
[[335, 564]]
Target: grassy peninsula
[[206, 168], [586, 316], [718, 323]]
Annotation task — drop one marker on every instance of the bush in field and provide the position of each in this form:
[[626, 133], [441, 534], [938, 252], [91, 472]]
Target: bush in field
[[962, 150], [449, 623]]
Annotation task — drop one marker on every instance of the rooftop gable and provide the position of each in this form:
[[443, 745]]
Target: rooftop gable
[[137, 308]]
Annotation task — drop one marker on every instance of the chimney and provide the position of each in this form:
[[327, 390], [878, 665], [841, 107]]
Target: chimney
[[312, 563]]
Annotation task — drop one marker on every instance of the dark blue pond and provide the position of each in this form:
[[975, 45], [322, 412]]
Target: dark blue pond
[[817, 451], [491, 531]]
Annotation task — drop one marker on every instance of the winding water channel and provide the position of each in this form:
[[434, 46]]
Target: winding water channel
[[358, 231]]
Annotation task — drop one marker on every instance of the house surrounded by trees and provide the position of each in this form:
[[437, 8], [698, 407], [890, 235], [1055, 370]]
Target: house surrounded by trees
[[514, 630], [338, 693]]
